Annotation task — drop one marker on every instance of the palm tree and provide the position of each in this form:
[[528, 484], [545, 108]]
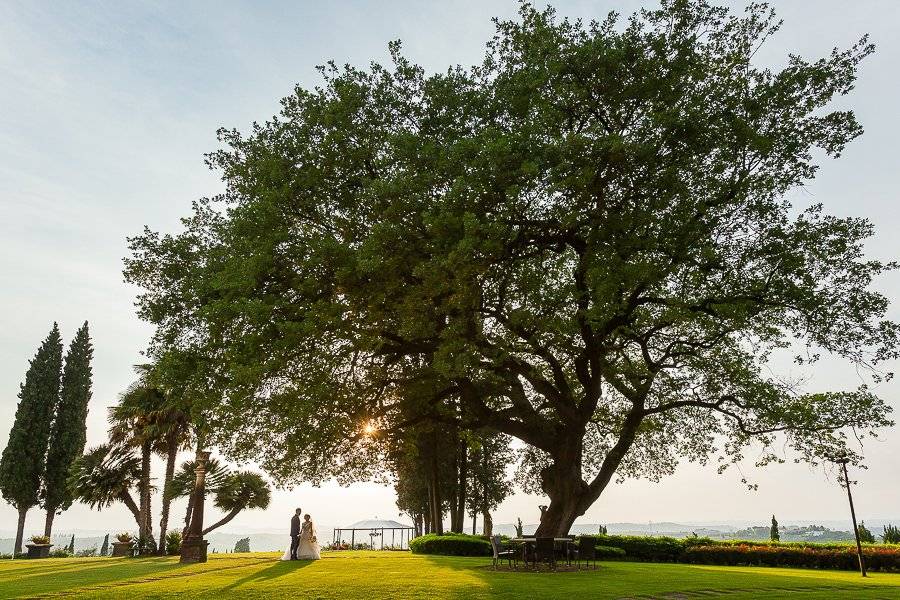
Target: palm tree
[[172, 426], [132, 424], [106, 474], [240, 491], [182, 484]]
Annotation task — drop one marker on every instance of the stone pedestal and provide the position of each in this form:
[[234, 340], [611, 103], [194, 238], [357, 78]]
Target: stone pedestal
[[38, 550], [122, 549], [194, 550]]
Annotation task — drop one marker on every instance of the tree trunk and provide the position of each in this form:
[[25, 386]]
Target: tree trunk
[[437, 517], [187, 516], [487, 524], [166, 501], [562, 482], [128, 501], [224, 520], [461, 486], [144, 525], [20, 531], [474, 522], [48, 522]]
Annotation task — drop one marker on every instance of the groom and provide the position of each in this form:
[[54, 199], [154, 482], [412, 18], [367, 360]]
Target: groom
[[295, 532]]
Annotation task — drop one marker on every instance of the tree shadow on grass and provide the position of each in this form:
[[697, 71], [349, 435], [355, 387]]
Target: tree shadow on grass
[[280, 568], [45, 580]]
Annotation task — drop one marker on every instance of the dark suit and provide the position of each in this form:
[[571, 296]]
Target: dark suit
[[295, 536]]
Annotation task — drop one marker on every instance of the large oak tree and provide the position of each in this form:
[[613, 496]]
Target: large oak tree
[[585, 242]]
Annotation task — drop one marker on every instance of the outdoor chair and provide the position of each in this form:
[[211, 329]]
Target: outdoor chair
[[586, 551], [502, 553], [545, 551]]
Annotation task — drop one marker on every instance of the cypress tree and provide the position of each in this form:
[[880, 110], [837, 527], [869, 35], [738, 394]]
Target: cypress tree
[[773, 531], [71, 547], [24, 458], [104, 549], [69, 432]]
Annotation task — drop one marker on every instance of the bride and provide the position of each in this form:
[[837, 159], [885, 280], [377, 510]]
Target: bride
[[309, 544]]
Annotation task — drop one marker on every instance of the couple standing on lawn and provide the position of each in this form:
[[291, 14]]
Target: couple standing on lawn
[[304, 545]]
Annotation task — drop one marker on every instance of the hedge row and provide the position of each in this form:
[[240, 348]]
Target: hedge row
[[453, 544], [877, 558], [780, 554]]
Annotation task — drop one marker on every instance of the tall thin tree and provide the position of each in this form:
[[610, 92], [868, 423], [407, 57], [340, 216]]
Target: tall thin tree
[[69, 433], [24, 458]]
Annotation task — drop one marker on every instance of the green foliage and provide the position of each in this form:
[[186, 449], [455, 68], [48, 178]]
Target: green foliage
[[182, 484], [240, 491], [519, 532], [610, 553], [105, 475], [891, 534], [60, 553], [71, 546], [865, 536], [877, 558], [603, 530], [23, 461], [104, 549], [651, 549], [88, 552], [173, 543], [69, 432], [40, 539], [585, 242], [242, 545], [773, 531], [451, 544], [124, 537]]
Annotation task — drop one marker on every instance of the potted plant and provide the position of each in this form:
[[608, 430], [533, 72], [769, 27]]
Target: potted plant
[[39, 546], [124, 545]]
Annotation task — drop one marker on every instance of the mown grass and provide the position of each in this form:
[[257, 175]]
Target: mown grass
[[374, 575]]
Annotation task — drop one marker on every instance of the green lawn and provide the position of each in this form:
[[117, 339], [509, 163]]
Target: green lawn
[[376, 575]]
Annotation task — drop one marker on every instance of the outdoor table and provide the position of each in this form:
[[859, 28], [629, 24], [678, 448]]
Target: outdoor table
[[525, 541]]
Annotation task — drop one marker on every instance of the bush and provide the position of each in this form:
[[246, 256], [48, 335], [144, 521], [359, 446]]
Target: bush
[[87, 552], [877, 558], [891, 534], [173, 543], [60, 553], [40, 539], [653, 549], [610, 552], [455, 544]]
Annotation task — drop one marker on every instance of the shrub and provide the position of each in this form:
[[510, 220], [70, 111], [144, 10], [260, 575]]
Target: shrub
[[125, 537], [60, 553], [865, 536], [456, 544], [653, 549], [173, 543], [87, 552], [610, 552], [877, 558], [891, 534], [40, 539], [242, 545]]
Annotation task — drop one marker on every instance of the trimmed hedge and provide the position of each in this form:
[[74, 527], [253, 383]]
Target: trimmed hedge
[[610, 552], [737, 552], [885, 558], [451, 544]]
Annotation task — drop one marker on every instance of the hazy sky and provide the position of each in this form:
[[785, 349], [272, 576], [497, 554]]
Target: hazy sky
[[106, 109]]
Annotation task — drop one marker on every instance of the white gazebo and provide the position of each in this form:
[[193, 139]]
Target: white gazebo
[[377, 528]]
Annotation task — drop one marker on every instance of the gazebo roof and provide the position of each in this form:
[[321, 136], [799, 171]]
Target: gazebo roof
[[377, 524]]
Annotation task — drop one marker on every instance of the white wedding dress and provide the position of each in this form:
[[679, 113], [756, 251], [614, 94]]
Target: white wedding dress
[[309, 544]]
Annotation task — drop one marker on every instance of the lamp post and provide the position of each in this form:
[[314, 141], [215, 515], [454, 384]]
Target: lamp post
[[843, 460], [193, 546]]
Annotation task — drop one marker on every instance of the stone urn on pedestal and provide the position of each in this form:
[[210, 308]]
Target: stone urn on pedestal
[[39, 547]]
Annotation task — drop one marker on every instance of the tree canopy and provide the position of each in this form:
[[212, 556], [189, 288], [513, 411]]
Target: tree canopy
[[584, 242]]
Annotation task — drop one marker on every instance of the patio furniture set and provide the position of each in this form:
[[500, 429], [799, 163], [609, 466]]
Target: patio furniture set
[[544, 550]]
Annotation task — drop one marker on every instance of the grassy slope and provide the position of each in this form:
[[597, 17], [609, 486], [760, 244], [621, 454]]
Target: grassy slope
[[372, 575]]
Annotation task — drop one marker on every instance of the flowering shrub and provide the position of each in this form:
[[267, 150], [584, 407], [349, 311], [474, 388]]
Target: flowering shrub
[[878, 558], [773, 554]]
